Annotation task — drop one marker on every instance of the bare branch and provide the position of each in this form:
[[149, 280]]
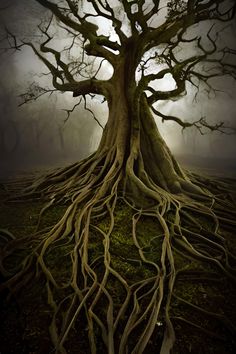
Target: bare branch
[[153, 51], [174, 94], [200, 124], [69, 111], [34, 92], [60, 73], [87, 29], [90, 111]]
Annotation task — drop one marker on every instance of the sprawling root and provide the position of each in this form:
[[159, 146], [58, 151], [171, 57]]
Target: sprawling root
[[92, 190]]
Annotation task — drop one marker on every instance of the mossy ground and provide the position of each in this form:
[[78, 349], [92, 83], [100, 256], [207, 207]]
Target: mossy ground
[[26, 317]]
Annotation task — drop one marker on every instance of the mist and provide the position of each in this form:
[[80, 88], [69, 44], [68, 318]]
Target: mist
[[39, 135]]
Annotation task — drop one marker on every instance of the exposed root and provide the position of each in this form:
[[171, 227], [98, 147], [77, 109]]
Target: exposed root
[[93, 189]]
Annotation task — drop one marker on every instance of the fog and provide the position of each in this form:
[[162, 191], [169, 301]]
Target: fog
[[39, 135]]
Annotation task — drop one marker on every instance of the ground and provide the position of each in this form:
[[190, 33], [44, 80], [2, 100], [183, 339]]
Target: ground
[[26, 316]]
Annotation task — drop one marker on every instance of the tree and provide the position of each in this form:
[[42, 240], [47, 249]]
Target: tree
[[132, 162], [9, 134]]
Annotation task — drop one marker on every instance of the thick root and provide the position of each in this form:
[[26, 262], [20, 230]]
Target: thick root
[[93, 189]]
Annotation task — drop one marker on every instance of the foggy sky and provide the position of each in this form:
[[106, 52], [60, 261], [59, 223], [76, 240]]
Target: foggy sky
[[35, 134]]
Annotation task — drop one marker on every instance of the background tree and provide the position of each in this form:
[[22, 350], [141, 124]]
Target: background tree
[[9, 134], [145, 44]]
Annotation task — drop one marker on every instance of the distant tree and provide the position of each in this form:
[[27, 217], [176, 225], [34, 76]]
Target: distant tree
[[9, 133], [147, 41]]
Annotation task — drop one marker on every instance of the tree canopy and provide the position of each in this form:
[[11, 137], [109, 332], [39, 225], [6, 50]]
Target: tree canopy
[[163, 38]]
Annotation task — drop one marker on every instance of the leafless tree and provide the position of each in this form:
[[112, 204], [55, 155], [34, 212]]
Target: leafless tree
[[147, 41]]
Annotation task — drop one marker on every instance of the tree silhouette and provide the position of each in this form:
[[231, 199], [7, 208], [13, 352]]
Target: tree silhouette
[[146, 43], [9, 134]]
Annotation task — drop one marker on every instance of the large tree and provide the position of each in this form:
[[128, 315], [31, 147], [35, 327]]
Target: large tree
[[146, 43]]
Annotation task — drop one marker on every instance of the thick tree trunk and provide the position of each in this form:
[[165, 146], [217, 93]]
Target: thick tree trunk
[[133, 145], [159, 162]]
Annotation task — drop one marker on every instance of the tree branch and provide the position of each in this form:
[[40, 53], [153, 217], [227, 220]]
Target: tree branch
[[78, 88], [87, 29], [200, 124], [92, 113]]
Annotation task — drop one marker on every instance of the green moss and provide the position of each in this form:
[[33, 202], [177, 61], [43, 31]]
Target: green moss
[[52, 215], [58, 261], [21, 219]]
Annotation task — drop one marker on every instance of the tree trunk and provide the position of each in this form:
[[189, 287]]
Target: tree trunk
[[134, 146]]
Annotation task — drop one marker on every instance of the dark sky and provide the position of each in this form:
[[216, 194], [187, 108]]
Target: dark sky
[[35, 135]]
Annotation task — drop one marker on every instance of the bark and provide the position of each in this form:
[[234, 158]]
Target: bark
[[134, 147]]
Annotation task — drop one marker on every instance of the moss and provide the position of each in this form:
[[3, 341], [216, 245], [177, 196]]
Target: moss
[[21, 219], [52, 215], [58, 261]]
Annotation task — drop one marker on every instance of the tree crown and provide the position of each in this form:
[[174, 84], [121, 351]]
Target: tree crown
[[149, 38]]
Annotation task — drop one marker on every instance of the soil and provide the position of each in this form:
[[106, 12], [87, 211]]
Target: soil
[[26, 316]]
